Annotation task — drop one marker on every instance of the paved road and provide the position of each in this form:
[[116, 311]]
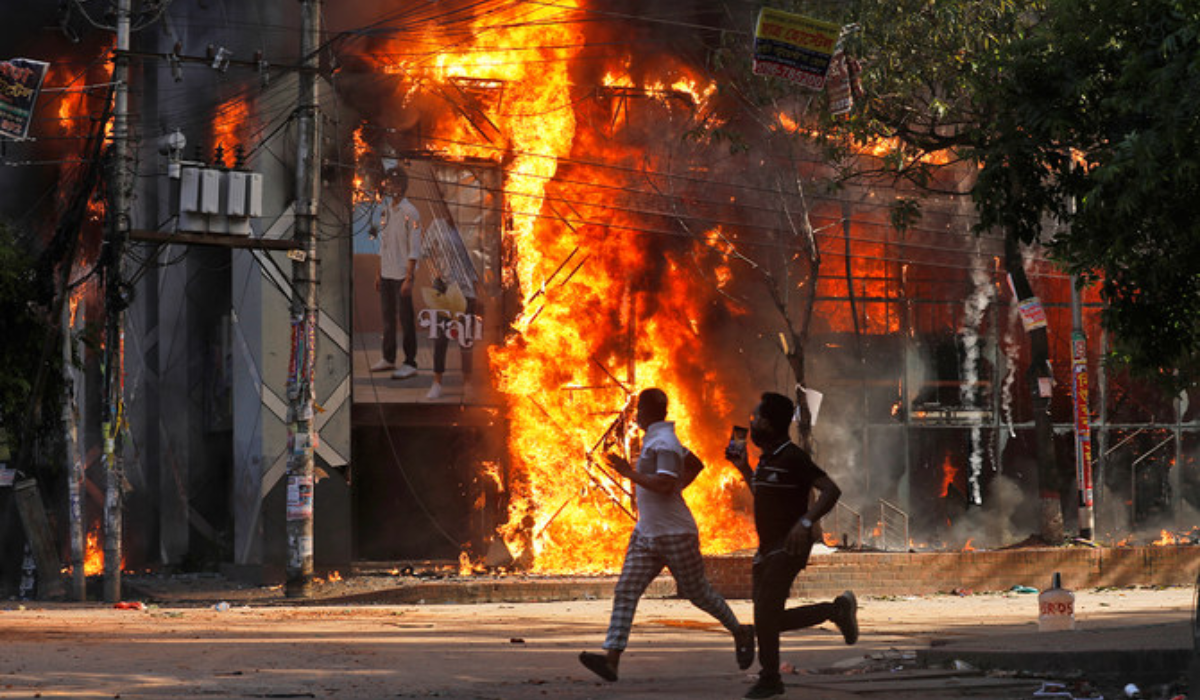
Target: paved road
[[528, 650]]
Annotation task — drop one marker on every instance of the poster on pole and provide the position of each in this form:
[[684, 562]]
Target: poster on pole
[[794, 47], [844, 84], [300, 497], [1033, 315], [1083, 429], [20, 82]]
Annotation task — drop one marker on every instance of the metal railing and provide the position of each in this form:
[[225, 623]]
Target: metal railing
[[893, 528], [846, 526]]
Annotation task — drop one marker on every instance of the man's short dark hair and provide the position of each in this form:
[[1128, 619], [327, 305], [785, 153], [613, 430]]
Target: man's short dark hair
[[777, 410], [653, 403], [396, 180]]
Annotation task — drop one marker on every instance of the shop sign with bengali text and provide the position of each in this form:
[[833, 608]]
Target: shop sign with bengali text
[[20, 82], [794, 47]]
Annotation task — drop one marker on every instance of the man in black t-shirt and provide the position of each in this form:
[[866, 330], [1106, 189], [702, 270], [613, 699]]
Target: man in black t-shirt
[[785, 517]]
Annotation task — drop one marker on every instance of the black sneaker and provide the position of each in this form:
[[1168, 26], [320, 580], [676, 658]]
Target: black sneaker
[[845, 616], [743, 643], [598, 664], [765, 688]]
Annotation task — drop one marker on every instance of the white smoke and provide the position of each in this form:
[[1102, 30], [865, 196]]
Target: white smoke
[[1006, 515], [974, 310], [1012, 357]]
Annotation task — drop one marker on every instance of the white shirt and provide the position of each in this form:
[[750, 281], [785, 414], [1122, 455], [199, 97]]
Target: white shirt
[[662, 513], [399, 238]]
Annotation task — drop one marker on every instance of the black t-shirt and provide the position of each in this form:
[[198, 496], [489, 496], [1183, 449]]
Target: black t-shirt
[[783, 482]]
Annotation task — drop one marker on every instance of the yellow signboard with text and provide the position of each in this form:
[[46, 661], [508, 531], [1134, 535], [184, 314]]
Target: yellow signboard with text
[[794, 47]]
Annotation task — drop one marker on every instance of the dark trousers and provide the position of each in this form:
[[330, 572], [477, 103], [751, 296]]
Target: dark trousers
[[396, 304], [439, 346], [773, 575]]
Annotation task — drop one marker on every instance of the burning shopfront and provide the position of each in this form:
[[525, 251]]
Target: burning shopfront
[[588, 233], [634, 249]]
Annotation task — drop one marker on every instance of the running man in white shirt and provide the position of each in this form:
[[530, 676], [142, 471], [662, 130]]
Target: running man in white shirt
[[665, 535]]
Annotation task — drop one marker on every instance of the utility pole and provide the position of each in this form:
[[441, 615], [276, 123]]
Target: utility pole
[[75, 471], [301, 426], [1083, 426], [1082, 415], [1040, 382], [115, 302]]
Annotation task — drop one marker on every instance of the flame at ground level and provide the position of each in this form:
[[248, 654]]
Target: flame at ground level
[[1166, 538], [93, 558], [93, 554]]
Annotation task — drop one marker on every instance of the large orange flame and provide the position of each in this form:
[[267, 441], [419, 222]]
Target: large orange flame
[[232, 127], [77, 112], [93, 557], [93, 554], [609, 308]]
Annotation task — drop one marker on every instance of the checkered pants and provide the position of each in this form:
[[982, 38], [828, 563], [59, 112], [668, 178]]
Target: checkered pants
[[644, 560]]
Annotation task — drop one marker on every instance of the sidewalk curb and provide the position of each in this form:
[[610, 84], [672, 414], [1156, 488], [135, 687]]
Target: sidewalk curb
[[1144, 655]]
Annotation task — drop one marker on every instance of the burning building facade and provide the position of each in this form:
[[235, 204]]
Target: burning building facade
[[601, 214]]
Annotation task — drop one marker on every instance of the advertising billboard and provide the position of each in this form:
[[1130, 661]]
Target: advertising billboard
[[422, 337]]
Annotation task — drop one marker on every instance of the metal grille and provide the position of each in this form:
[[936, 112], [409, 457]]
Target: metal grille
[[846, 526], [893, 528]]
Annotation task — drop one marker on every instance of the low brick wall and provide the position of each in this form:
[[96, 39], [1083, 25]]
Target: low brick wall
[[505, 590], [882, 574]]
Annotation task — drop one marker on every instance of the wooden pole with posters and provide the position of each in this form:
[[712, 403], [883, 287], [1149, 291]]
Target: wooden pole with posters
[[301, 426]]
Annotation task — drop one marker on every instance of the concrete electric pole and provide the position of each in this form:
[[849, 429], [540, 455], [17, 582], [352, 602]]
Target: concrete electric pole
[[1083, 427], [301, 426], [115, 303]]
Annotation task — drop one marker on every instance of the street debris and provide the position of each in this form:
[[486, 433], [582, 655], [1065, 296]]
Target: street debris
[[1077, 690], [1166, 691]]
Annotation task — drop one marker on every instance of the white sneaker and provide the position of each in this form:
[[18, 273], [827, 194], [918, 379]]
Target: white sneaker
[[435, 391], [382, 366], [404, 372]]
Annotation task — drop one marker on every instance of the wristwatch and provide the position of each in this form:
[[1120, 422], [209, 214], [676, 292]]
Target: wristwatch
[[806, 522]]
